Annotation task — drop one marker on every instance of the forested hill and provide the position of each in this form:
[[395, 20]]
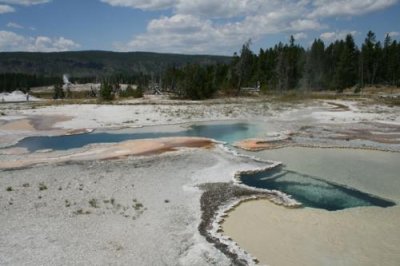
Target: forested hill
[[98, 63]]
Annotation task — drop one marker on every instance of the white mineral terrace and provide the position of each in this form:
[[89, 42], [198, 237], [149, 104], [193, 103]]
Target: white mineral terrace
[[139, 201]]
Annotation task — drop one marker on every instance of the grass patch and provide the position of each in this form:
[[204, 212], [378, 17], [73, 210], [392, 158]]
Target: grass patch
[[390, 101], [42, 186], [9, 189], [137, 206], [296, 96], [81, 212], [93, 203]]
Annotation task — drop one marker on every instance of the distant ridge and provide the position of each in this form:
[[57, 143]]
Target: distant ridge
[[98, 63]]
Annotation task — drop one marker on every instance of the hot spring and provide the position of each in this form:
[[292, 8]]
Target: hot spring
[[225, 132], [312, 191], [332, 179]]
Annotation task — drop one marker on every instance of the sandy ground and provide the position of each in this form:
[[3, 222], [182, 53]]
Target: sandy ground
[[280, 236], [23, 125], [146, 210]]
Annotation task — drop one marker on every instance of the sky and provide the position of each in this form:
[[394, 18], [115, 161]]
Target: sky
[[188, 26]]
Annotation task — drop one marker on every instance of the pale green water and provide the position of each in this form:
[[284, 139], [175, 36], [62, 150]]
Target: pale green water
[[312, 191], [374, 172]]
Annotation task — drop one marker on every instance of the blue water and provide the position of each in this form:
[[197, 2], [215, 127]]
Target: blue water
[[311, 191], [229, 133]]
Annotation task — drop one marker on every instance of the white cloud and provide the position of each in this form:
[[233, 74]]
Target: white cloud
[[224, 9], [10, 41], [143, 4], [185, 33], [195, 34], [210, 26], [25, 2], [329, 8], [47, 44], [6, 9], [233, 8], [336, 35], [300, 36], [14, 25], [394, 34], [305, 24]]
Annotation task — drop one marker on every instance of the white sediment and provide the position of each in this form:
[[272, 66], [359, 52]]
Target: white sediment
[[160, 232], [16, 96]]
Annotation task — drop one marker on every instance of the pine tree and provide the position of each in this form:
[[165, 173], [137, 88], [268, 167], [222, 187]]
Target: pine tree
[[369, 58], [390, 61], [314, 66], [244, 65], [106, 91], [346, 70]]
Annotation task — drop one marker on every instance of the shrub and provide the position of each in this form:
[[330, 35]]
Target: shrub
[[80, 212], [138, 93], [264, 88], [130, 92], [58, 92], [357, 89], [106, 91]]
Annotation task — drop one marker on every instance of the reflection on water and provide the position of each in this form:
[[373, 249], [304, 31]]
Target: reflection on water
[[222, 132], [311, 191]]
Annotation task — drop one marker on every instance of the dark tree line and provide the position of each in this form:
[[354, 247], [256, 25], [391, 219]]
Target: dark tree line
[[342, 64], [194, 81], [289, 66], [17, 81], [12, 81], [123, 78]]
